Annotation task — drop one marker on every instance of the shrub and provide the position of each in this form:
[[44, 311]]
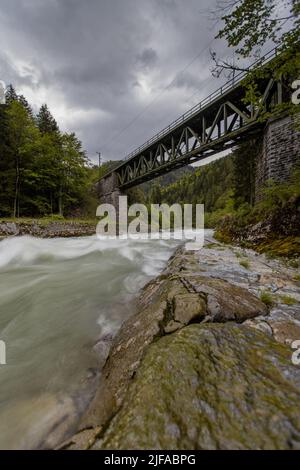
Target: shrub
[[266, 298], [287, 300], [245, 263], [57, 217]]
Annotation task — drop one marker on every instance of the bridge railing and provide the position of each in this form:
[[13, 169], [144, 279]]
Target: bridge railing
[[209, 99], [230, 84]]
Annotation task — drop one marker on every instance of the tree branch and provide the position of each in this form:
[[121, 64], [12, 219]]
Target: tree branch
[[222, 65]]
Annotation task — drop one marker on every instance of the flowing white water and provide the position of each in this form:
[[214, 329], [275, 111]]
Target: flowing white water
[[57, 297]]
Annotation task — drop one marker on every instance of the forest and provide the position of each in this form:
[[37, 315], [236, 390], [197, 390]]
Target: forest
[[43, 171], [46, 173]]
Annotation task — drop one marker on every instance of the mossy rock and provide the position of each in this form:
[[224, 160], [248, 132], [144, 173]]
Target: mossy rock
[[286, 247], [168, 303], [210, 386]]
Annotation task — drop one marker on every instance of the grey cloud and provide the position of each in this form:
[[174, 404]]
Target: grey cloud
[[148, 57], [11, 75], [186, 80], [111, 56]]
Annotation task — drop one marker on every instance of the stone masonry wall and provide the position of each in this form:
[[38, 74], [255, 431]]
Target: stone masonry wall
[[109, 191], [106, 186], [280, 151]]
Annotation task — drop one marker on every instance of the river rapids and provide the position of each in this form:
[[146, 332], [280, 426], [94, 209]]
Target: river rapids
[[57, 298]]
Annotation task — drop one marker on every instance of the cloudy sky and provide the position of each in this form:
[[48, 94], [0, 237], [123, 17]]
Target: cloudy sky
[[113, 71]]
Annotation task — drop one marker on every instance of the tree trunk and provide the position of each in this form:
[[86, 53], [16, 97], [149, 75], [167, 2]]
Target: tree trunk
[[60, 201], [17, 183]]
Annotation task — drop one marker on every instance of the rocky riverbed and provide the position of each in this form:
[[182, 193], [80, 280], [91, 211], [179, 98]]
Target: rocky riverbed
[[206, 363], [47, 229]]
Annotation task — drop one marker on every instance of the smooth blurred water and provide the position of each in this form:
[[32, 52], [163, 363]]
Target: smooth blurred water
[[57, 297]]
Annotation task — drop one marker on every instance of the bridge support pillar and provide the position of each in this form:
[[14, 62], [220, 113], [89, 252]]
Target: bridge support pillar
[[109, 191], [279, 152]]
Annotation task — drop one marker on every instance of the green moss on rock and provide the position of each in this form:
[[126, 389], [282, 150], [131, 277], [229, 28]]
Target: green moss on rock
[[210, 386]]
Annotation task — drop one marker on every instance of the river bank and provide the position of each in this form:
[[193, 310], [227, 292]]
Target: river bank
[[47, 228], [62, 300], [276, 233], [87, 357], [257, 237], [206, 363]]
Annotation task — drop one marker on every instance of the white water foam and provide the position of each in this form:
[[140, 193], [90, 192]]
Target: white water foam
[[57, 297]]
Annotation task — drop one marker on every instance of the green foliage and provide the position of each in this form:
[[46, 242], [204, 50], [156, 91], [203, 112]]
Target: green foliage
[[10, 95], [7, 173], [45, 121], [287, 300], [247, 27], [23, 138], [277, 216], [278, 195], [245, 263], [156, 196], [266, 298], [167, 179], [136, 196], [244, 164], [210, 185], [225, 187], [57, 217], [294, 263], [42, 171], [249, 24], [224, 206]]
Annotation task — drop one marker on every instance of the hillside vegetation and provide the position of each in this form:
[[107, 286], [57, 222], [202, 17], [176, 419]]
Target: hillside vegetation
[[43, 171], [227, 189]]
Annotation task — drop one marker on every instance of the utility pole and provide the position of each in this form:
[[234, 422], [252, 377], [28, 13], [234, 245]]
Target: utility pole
[[99, 155]]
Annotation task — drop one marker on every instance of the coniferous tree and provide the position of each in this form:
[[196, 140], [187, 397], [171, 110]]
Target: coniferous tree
[[155, 195], [45, 121], [10, 95], [25, 104], [23, 135], [50, 133], [72, 171], [244, 164], [6, 165], [42, 171]]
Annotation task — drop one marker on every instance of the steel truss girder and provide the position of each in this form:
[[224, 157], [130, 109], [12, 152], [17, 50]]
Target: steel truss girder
[[214, 129]]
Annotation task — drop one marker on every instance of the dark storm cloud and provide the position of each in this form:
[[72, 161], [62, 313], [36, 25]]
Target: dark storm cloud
[[148, 57], [100, 63]]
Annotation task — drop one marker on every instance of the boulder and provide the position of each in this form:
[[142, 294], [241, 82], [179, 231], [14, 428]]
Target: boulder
[[210, 386], [168, 303]]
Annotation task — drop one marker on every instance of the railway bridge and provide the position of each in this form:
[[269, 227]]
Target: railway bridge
[[219, 122]]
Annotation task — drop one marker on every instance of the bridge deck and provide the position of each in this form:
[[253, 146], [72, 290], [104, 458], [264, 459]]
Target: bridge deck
[[215, 124]]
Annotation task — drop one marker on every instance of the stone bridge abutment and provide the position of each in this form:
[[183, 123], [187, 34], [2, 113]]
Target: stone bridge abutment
[[108, 190], [279, 152]]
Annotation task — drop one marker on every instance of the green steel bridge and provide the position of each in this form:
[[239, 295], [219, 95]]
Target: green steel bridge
[[217, 123]]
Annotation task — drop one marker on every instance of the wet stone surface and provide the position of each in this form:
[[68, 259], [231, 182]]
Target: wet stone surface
[[206, 361], [210, 386]]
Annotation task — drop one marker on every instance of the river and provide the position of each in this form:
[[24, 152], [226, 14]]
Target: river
[[57, 298]]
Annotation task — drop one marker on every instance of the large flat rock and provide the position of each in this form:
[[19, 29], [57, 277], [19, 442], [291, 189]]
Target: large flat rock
[[204, 364], [168, 303], [210, 386]]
